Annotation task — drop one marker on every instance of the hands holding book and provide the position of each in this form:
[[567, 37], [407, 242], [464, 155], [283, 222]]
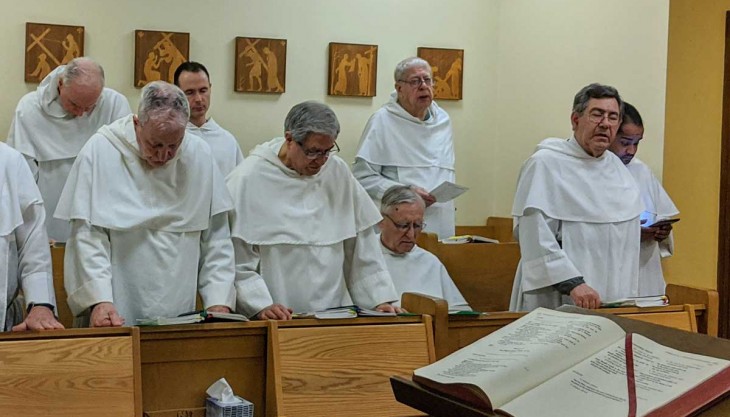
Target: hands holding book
[[280, 312]]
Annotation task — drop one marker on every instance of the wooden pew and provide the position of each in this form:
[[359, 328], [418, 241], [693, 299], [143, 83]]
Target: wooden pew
[[499, 228], [70, 373], [483, 272], [454, 332], [180, 362], [708, 319], [64, 313], [344, 369]]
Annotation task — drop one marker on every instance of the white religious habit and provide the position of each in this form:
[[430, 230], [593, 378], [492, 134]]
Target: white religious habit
[[50, 138], [223, 144], [306, 242], [25, 257], [575, 216], [146, 238], [421, 271], [657, 206], [399, 149]]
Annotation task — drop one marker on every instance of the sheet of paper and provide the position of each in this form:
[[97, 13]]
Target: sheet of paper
[[447, 191]]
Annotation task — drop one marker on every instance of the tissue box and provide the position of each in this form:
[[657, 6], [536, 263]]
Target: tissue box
[[214, 408]]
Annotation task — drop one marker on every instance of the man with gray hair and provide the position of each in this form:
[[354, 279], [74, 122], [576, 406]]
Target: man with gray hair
[[149, 215], [576, 213], [409, 141], [302, 227], [53, 123], [413, 269]]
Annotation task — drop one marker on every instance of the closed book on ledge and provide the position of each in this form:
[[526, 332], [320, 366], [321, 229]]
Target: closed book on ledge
[[552, 363], [650, 301], [455, 240]]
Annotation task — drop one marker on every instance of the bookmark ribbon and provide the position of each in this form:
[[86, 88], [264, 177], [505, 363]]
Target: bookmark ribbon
[[630, 379]]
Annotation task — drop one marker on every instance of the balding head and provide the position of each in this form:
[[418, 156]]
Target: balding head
[[80, 86]]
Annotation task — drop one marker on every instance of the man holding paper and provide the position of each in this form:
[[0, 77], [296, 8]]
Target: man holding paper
[[576, 214], [409, 141], [656, 239]]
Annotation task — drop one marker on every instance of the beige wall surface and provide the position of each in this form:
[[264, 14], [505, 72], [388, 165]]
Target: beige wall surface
[[692, 144], [524, 61]]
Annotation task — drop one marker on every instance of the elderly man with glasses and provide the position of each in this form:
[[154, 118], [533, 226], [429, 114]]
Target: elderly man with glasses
[[576, 213], [409, 141], [302, 227], [412, 268]]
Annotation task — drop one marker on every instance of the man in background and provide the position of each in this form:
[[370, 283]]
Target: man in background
[[412, 268], [194, 80], [53, 123], [657, 242], [410, 141]]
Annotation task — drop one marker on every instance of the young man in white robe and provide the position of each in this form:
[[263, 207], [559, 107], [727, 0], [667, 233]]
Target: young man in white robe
[[193, 79], [25, 257], [302, 227], [53, 123], [576, 214], [656, 242], [412, 268], [410, 141], [149, 214]]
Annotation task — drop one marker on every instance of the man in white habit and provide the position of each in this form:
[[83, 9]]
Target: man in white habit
[[656, 242], [53, 123], [409, 141], [576, 214], [302, 227], [412, 268], [193, 79], [149, 214], [25, 257]]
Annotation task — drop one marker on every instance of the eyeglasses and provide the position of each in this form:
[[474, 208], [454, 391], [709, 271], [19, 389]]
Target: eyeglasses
[[416, 82], [404, 227], [597, 116], [312, 155]]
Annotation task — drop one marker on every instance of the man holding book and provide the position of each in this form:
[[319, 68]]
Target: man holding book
[[576, 213], [412, 268], [656, 241]]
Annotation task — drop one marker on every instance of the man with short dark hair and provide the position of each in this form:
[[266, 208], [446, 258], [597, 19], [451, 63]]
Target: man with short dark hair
[[576, 213], [148, 209], [194, 80], [656, 241], [53, 123]]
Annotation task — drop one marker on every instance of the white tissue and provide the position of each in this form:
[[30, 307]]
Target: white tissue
[[221, 391]]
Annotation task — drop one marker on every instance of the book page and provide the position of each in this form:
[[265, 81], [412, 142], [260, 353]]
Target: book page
[[525, 353], [599, 382], [447, 191]]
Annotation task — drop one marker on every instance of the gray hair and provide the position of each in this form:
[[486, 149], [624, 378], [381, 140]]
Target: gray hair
[[413, 62], [595, 90], [397, 195], [83, 69], [162, 100], [311, 117]]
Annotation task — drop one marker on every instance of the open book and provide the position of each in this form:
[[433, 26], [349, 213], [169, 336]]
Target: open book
[[650, 301], [467, 239], [571, 363], [191, 317], [346, 312]]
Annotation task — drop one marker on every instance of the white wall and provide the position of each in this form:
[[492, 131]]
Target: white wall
[[524, 60]]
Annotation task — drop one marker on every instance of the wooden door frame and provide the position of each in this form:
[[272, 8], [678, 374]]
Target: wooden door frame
[[723, 246]]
